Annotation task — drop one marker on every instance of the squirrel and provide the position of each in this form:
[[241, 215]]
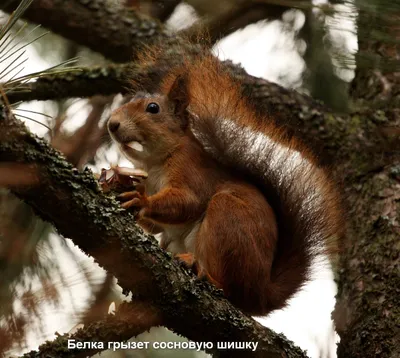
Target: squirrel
[[236, 198]]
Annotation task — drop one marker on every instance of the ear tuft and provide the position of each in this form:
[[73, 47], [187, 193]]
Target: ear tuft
[[178, 96]]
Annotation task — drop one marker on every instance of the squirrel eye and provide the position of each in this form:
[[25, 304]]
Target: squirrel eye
[[153, 108]]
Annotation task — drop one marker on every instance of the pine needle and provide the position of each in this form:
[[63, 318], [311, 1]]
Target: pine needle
[[16, 73], [23, 46], [19, 86], [57, 69], [12, 39], [12, 64], [15, 104], [33, 120], [35, 112], [17, 13], [12, 47]]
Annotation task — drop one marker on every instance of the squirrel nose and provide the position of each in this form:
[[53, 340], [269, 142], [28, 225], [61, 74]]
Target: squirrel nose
[[113, 125]]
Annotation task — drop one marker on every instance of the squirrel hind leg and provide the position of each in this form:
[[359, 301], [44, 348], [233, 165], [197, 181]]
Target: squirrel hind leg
[[235, 244]]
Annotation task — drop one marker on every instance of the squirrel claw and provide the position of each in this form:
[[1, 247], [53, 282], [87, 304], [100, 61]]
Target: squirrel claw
[[131, 203], [187, 259], [190, 262], [132, 199], [128, 195]]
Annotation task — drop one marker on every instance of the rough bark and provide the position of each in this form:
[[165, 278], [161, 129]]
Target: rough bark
[[377, 81], [72, 202], [368, 306]]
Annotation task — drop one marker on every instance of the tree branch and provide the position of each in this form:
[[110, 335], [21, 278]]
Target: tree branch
[[111, 30], [222, 24], [129, 321], [72, 202], [87, 82]]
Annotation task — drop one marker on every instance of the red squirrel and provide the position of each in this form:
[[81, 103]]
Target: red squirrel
[[231, 193]]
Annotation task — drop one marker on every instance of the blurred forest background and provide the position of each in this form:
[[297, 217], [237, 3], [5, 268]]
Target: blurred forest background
[[343, 54]]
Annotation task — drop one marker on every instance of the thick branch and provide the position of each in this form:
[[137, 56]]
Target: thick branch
[[222, 24], [71, 201], [110, 29]]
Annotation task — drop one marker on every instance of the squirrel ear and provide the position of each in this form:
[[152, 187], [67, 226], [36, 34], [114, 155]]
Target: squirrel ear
[[178, 96]]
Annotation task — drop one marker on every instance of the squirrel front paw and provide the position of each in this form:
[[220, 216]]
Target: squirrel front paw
[[133, 199]]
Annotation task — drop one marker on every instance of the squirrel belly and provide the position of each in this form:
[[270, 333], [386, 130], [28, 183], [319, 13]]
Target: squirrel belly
[[228, 186]]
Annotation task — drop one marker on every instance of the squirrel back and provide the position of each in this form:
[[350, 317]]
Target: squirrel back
[[254, 148]]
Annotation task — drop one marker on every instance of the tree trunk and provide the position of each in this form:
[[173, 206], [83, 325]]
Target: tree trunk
[[368, 306]]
